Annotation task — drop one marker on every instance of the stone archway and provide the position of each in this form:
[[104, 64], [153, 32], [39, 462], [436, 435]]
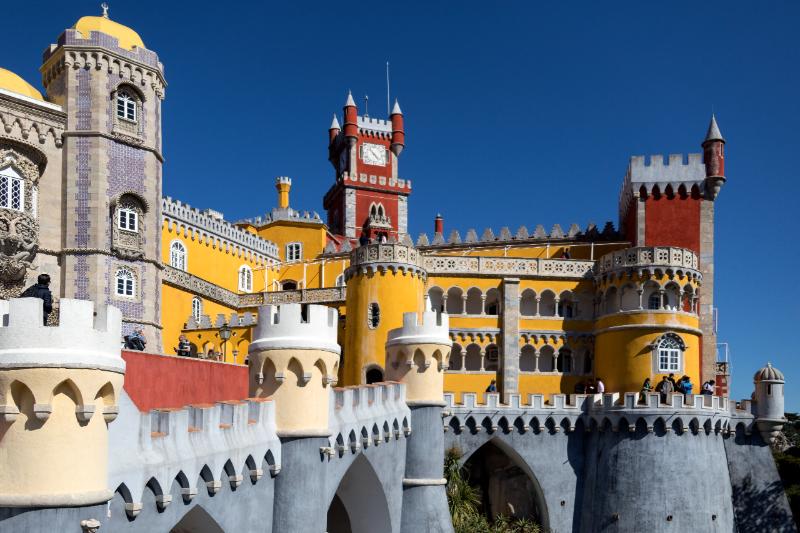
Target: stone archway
[[507, 484], [197, 520], [359, 505]]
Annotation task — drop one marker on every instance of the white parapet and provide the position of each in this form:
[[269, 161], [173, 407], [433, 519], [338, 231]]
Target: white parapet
[[290, 326], [434, 329], [86, 337]]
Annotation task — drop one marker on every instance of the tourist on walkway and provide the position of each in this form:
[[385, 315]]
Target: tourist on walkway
[[708, 388], [686, 385], [600, 386], [184, 346], [664, 387], [41, 290], [591, 388], [135, 341], [646, 388], [580, 387], [492, 386], [674, 383]]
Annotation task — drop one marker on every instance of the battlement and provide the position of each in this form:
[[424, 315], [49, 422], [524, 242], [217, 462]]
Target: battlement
[[385, 256], [208, 227], [434, 329], [557, 234], [86, 337], [296, 326], [368, 415], [287, 214], [283, 180], [673, 259], [652, 174], [375, 124], [601, 411], [201, 447], [372, 179]]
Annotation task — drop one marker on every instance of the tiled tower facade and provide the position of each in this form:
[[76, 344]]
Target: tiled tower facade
[[111, 93]]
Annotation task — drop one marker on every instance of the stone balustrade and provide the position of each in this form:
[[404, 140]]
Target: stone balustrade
[[649, 258], [508, 266]]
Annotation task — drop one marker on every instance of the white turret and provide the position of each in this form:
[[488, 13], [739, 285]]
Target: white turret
[[769, 382]]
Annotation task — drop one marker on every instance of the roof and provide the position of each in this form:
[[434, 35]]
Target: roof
[[14, 83], [127, 38]]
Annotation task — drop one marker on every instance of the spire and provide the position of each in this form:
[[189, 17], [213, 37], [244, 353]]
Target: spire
[[350, 102], [713, 131], [396, 109], [334, 123]]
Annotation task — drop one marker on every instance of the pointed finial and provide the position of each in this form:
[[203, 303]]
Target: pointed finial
[[396, 109], [366, 105], [350, 102], [334, 123], [104, 7], [713, 131]]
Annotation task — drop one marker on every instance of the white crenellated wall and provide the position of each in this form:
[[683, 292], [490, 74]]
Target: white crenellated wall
[[282, 327], [434, 329]]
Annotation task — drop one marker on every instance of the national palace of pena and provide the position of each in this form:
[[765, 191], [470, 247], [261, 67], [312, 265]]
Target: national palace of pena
[[307, 372]]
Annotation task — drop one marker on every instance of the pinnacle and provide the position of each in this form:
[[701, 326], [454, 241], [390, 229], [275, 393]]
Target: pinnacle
[[350, 102], [396, 109], [335, 123], [713, 131]]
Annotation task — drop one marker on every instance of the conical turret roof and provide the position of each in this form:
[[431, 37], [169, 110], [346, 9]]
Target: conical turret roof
[[713, 133]]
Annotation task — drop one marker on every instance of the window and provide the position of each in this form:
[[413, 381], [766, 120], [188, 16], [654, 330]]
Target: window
[[564, 361], [654, 301], [177, 255], [197, 308], [126, 283], [126, 106], [128, 219], [373, 315], [294, 252], [669, 353], [340, 281], [245, 278], [12, 190]]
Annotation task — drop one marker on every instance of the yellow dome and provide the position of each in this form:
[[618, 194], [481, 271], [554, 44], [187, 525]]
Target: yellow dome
[[126, 36], [11, 82]]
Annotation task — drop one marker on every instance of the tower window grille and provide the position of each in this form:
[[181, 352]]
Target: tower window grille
[[126, 106], [669, 354], [12, 190], [654, 301], [373, 315]]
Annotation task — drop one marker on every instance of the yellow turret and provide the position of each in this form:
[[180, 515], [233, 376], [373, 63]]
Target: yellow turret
[[283, 184]]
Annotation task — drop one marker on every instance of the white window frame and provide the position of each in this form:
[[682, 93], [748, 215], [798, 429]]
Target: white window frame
[[8, 179], [294, 252], [178, 258], [125, 283], [668, 354], [245, 279], [126, 106], [197, 308], [124, 217], [340, 282]]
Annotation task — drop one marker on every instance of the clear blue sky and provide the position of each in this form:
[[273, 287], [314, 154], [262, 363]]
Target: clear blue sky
[[516, 113]]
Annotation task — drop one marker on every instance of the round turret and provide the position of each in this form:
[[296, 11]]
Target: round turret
[[384, 281], [350, 120], [60, 387], [417, 354], [294, 358], [769, 383], [398, 131]]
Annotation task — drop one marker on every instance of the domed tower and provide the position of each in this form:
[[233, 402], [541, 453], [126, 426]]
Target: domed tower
[[294, 358], [59, 387], [769, 413], [384, 281], [417, 354], [648, 323], [110, 88]]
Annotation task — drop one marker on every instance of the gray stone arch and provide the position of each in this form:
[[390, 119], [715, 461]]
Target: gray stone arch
[[197, 520], [515, 459], [359, 504]]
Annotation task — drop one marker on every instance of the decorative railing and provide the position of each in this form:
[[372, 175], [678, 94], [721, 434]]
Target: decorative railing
[[191, 283], [646, 257], [508, 266], [300, 296], [385, 253]]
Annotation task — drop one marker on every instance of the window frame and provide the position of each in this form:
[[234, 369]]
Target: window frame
[[128, 213], [197, 308], [290, 252], [245, 279], [184, 258], [128, 283], [128, 105], [668, 353], [11, 178]]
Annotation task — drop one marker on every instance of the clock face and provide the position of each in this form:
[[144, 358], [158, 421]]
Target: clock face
[[373, 154]]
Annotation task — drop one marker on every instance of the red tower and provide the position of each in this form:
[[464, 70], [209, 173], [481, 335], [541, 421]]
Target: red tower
[[368, 199]]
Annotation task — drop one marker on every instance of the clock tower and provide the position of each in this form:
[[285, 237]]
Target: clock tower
[[368, 198]]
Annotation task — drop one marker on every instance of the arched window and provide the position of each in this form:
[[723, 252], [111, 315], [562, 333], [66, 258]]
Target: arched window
[[564, 361], [126, 283], [373, 315], [245, 278], [294, 252], [177, 255], [126, 106], [654, 301], [670, 350], [197, 308], [12, 190], [340, 281], [492, 358], [289, 285]]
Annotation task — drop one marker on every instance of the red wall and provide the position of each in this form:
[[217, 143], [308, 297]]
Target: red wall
[[164, 381], [365, 198], [673, 222]]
